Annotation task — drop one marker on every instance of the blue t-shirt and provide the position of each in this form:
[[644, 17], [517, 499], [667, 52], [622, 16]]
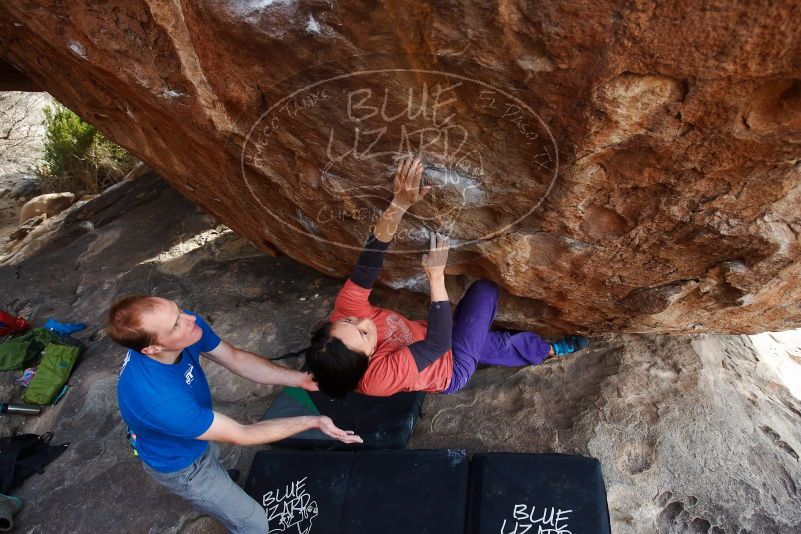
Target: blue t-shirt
[[168, 405]]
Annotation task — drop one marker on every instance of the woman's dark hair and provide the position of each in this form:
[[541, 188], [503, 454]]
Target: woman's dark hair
[[335, 367]]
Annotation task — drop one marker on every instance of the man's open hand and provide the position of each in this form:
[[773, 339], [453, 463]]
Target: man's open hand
[[328, 428]]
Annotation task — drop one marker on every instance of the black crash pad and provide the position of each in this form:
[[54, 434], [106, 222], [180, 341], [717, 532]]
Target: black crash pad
[[358, 492], [537, 494], [382, 422]]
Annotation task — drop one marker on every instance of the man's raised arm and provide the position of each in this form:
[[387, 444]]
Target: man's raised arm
[[259, 369]]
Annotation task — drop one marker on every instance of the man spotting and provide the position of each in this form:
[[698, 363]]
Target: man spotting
[[165, 400]]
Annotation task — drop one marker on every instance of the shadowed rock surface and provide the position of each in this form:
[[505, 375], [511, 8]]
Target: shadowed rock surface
[[695, 433], [613, 167]]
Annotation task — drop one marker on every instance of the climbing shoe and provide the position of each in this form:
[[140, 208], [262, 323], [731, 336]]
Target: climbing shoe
[[570, 344], [233, 473]]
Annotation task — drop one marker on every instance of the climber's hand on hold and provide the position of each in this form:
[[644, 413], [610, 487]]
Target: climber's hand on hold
[[434, 264], [406, 189], [437, 258]]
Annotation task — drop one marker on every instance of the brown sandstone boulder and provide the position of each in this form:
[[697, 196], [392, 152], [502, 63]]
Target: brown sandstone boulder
[[614, 166]]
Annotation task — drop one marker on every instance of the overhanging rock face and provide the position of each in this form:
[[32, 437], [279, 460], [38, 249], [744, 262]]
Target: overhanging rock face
[[612, 167]]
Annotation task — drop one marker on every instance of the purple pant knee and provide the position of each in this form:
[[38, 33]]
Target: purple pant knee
[[474, 343]]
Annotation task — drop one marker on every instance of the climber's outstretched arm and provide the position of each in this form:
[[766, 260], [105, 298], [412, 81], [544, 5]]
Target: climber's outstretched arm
[[406, 192]]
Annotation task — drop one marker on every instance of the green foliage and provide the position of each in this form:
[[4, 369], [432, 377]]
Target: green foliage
[[77, 157]]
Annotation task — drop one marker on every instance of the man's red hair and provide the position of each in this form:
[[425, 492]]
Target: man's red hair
[[125, 322]]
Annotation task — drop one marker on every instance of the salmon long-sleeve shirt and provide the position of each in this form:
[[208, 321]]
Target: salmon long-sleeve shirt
[[392, 367]]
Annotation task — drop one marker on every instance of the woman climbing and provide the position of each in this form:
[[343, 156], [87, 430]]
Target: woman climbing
[[379, 352]]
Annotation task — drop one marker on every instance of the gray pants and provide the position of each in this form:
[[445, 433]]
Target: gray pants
[[206, 485]]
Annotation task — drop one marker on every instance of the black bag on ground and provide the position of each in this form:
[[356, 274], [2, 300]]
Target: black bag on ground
[[514, 493], [23, 455], [354, 492], [382, 422]]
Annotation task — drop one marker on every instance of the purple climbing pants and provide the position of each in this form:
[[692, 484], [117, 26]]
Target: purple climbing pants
[[474, 343]]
